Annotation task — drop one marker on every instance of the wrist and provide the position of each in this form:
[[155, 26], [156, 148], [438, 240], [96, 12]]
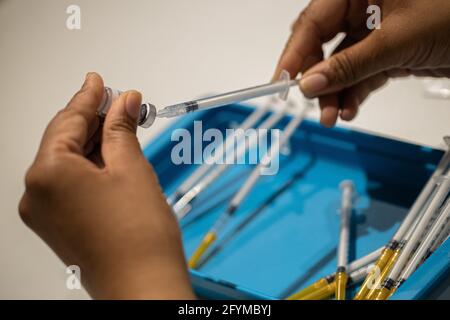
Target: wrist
[[143, 280]]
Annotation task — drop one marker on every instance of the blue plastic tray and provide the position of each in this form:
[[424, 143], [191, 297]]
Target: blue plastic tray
[[284, 236]]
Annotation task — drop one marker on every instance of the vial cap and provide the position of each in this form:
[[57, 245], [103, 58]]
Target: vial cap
[[147, 115]]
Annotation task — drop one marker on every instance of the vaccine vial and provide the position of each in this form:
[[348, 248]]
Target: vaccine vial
[[147, 113]]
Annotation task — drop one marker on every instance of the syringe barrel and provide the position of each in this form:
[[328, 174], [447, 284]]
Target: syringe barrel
[[346, 211], [242, 95], [147, 113]]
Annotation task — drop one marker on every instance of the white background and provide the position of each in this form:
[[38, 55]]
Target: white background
[[171, 51]]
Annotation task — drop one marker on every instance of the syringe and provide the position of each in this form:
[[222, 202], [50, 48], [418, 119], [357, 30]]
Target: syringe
[[201, 171], [242, 193], [379, 279], [180, 206], [431, 241], [438, 228], [419, 231], [440, 240], [392, 251], [344, 236], [353, 266], [148, 112], [329, 289], [282, 87]]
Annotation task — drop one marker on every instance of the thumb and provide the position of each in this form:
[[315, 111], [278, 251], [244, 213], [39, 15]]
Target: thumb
[[364, 59], [120, 146]]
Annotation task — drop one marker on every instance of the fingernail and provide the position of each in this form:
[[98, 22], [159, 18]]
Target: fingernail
[[86, 79], [314, 84], [133, 104], [88, 75]]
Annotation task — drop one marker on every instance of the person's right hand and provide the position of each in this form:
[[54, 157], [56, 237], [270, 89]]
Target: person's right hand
[[414, 39]]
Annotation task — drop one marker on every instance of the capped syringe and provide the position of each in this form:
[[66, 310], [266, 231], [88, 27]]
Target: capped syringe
[[243, 192], [322, 282], [281, 87], [329, 289], [394, 248], [181, 206], [201, 171], [341, 277], [439, 228], [389, 285]]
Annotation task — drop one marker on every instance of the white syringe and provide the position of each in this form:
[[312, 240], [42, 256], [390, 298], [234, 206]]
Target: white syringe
[[243, 192], [148, 113], [282, 87], [341, 277], [181, 206], [201, 171], [438, 228]]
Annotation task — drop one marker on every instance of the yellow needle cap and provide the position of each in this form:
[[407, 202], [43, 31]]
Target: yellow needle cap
[[384, 294], [372, 276], [322, 293], [383, 275], [206, 242], [310, 289], [341, 284]]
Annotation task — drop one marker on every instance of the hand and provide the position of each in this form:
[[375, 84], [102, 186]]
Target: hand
[[98, 205], [414, 39]]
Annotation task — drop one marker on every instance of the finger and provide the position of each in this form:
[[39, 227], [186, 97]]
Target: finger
[[93, 142], [329, 106], [120, 146], [96, 157], [71, 128], [88, 99], [351, 100], [398, 73], [372, 55], [321, 21], [344, 44], [353, 97]]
